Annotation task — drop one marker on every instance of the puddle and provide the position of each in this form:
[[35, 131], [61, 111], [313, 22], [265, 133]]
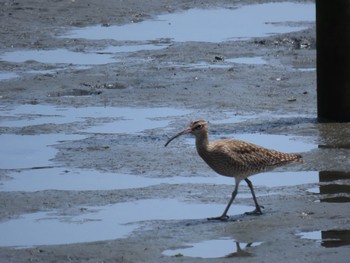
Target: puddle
[[227, 63], [64, 56], [118, 119], [7, 75], [47, 228], [135, 120], [217, 248], [84, 180], [248, 60], [334, 187], [70, 180], [89, 224], [57, 56], [208, 25], [27, 151], [328, 238], [29, 115]]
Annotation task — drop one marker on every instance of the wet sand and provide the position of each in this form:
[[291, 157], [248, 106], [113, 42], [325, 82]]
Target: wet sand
[[156, 209]]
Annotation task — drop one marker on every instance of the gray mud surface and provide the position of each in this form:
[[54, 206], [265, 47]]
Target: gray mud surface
[[279, 98]]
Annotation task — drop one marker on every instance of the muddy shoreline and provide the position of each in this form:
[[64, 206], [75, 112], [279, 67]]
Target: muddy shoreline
[[190, 80]]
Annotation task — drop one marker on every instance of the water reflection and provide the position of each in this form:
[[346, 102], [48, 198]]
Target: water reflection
[[241, 252], [216, 248], [328, 238], [208, 25], [335, 238], [334, 187]]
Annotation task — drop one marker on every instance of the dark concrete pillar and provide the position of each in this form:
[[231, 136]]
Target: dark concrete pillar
[[333, 60]]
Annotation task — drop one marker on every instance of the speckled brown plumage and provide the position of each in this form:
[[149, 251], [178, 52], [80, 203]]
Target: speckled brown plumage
[[235, 158], [241, 159]]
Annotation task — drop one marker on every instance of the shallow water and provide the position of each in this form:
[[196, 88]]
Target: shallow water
[[83, 180], [208, 25], [57, 56], [135, 120], [118, 119], [7, 75], [64, 56], [216, 248], [87, 224], [28, 151]]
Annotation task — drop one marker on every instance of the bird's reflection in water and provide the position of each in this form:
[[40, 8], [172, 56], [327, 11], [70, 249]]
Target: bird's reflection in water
[[240, 252], [216, 248]]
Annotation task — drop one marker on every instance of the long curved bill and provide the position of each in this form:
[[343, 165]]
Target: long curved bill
[[177, 135]]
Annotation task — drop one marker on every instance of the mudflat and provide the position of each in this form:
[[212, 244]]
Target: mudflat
[[85, 176]]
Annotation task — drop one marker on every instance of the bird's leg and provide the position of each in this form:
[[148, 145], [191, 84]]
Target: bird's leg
[[257, 210], [224, 216]]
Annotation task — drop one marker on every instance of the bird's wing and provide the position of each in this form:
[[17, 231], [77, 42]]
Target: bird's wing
[[248, 156]]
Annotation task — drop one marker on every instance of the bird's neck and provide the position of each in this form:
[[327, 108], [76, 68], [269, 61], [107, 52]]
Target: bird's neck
[[202, 142]]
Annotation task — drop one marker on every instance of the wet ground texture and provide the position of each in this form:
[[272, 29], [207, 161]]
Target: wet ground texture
[[90, 92]]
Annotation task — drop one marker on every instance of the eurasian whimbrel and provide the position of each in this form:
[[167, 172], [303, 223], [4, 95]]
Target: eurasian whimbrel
[[236, 159]]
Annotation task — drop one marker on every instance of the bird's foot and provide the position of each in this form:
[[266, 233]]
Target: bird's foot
[[221, 218], [256, 212]]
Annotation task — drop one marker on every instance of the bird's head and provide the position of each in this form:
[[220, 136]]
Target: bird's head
[[196, 128]]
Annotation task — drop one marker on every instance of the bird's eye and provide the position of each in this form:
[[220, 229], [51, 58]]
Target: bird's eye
[[199, 126]]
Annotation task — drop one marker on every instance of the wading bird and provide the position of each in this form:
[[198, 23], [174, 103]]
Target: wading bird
[[236, 159]]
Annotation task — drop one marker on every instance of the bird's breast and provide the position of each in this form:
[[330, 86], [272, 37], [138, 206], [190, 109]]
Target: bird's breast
[[219, 164]]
